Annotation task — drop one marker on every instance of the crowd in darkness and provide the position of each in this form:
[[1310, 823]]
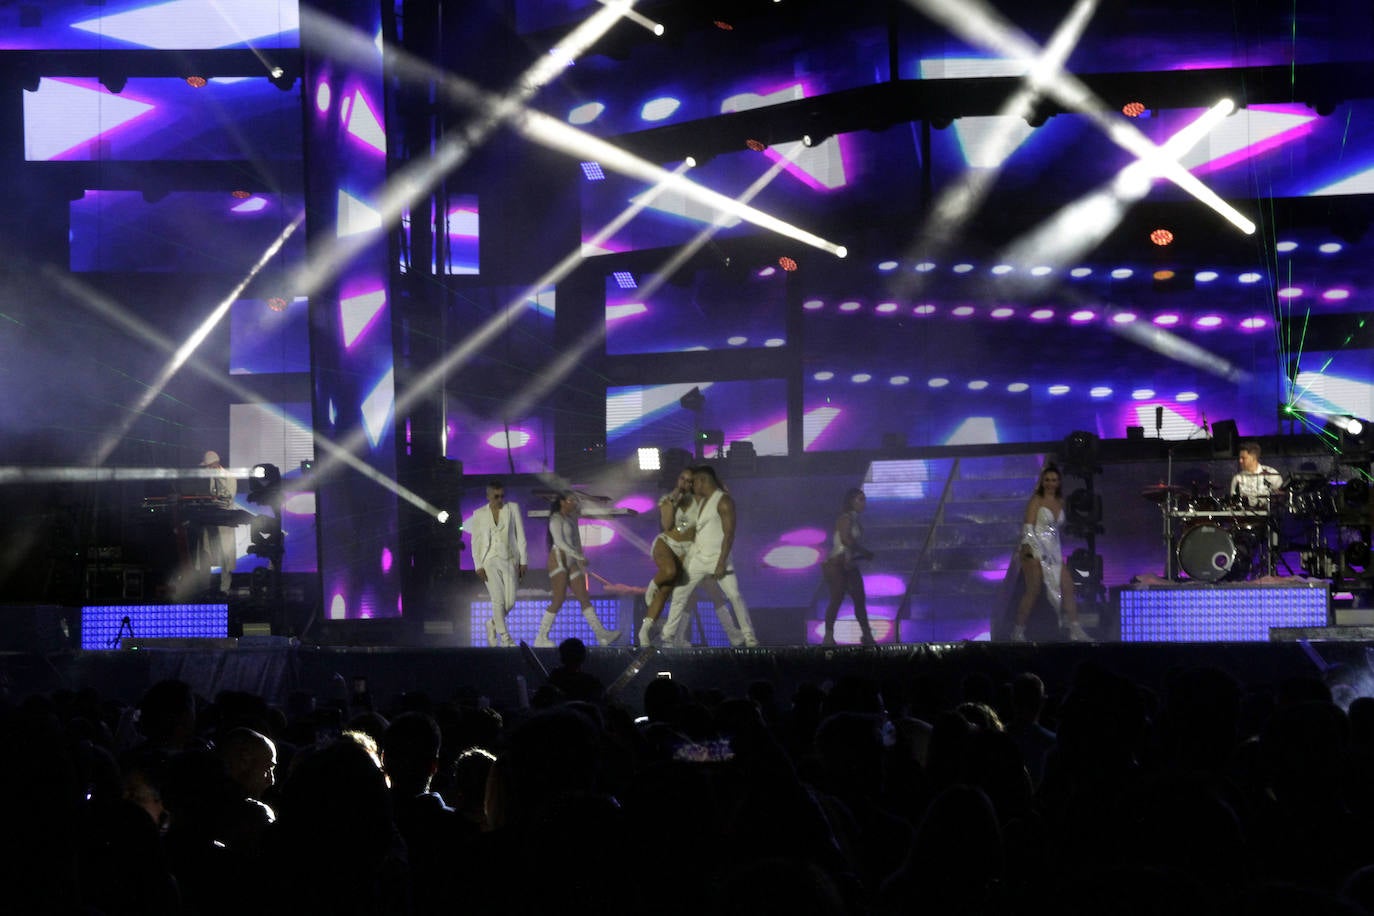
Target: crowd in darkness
[[990, 795]]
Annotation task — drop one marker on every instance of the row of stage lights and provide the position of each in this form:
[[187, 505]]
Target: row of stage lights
[[940, 382], [1078, 316]]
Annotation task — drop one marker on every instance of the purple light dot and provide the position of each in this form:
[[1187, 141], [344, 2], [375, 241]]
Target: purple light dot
[[823, 376], [926, 309], [962, 311], [1167, 320], [767, 272], [1254, 324], [1289, 292], [1082, 315], [1336, 295], [886, 308], [1123, 317], [1208, 321], [977, 385], [1003, 312], [1042, 314], [812, 304], [1330, 247], [938, 382], [886, 266], [1249, 277], [1142, 394], [1058, 389], [1018, 387], [962, 268], [850, 306]]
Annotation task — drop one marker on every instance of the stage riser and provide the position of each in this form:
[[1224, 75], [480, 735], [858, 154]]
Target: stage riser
[[1220, 613]]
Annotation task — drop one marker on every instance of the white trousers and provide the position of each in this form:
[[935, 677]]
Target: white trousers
[[502, 581], [676, 629]]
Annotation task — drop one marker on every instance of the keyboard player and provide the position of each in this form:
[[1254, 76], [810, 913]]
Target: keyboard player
[[217, 544]]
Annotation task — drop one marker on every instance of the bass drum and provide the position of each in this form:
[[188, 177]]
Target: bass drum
[[1208, 553]]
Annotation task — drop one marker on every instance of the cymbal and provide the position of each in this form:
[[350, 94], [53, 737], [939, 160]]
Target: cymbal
[[1158, 492]]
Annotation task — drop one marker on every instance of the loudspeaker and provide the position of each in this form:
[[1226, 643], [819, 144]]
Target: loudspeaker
[[1224, 439]]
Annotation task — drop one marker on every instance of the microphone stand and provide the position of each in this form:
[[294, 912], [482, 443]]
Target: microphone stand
[[1169, 571]]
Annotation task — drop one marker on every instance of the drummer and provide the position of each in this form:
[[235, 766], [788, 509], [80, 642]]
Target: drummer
[[1255, 484]]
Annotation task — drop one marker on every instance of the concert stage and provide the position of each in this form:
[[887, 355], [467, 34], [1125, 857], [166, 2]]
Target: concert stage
[[274, 668]]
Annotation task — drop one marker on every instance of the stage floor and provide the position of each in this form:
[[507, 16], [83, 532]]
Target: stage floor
[[274, 669]]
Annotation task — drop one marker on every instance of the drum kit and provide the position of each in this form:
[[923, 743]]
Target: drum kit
[[1223, 538]]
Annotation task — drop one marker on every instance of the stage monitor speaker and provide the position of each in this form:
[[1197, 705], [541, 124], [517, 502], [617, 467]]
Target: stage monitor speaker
[[1224, 439]]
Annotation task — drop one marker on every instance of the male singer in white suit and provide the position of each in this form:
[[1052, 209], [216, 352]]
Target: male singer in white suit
[[499, 556]]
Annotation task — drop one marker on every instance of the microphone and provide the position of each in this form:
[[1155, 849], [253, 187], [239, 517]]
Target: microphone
[[1205, 431], [1159, 418]]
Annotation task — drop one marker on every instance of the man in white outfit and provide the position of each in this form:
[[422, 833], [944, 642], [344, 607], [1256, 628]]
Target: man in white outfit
[[219, 544], [709, 557], [499, 556]]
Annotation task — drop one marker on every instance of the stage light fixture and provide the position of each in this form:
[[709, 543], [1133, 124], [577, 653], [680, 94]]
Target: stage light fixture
[[264, 486], [650, 459], [1356, 554], [1133, 109], [196, 82], [240, 194], [1080, 453], [282, 78], [757, 146], [277, 304], [787, 264], [1350, 433], [1162, 237]]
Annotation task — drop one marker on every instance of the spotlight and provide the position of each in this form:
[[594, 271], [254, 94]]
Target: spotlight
[[442, 517], [1080, 453], [650, 459], [281, 78], [196, 82], [1351, 434], [787, 264], [264, 486], [1161, 237], [1133, 109], [240, 194]]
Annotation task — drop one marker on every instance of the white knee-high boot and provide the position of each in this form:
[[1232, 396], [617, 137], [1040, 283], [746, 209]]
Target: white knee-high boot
[[542, 639], [603, 636]]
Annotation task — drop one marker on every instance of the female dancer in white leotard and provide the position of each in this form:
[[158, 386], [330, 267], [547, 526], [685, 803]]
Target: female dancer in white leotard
[[1042, 559], [568, 570], [677, 523]]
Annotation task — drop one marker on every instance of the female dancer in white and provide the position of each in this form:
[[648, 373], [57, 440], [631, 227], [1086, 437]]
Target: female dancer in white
[[677, 519], [1042, 559], [841, 570], [568, 569]]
